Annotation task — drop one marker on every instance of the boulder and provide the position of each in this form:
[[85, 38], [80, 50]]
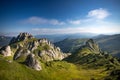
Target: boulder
[[6, 51], [32, 62]]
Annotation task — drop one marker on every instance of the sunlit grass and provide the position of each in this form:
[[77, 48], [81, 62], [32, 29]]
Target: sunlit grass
[[55, 70]]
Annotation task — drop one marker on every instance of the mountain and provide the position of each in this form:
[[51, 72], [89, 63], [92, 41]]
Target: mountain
[[58, 37], [25, 46], [28, 58], [90, 53], [109, 43], [4, 40], [91, 56]]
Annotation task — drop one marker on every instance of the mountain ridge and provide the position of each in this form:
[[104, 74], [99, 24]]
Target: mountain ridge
[[109, 43]]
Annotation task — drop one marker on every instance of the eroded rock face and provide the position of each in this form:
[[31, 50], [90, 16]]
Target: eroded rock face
[[6, 51], [46, 50], [52, 52], [50, 55], [33, 45], [21, 52], [32, 62]]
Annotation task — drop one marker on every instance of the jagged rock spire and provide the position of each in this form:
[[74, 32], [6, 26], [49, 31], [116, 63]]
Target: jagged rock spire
[[93, 46], [21, 37]]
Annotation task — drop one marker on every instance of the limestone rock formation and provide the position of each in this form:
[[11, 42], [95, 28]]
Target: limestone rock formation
[[32, 62], [25, 48], [50, 55], [46, 50], [6, 51]]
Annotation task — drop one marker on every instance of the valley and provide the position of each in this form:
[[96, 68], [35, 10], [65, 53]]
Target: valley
[[28, 58]]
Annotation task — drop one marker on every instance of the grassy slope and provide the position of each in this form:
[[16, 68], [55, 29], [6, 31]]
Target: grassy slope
[[56, 70]]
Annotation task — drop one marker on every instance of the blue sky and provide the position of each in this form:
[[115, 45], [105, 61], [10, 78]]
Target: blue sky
[[60, 16]]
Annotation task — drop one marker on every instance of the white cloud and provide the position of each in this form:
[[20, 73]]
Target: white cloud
[[57, 31], [105, 30], [94, 23], [39, 20], [74, 21], [89, 29], [98, 13], [95, 15]]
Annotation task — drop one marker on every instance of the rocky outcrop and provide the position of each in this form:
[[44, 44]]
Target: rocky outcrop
[[51, 54], [25, 48], [21, 37], [90, 47], [32, 62], [6, 51], [46, 50]]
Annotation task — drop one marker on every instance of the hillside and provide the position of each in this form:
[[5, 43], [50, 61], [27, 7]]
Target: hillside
[[55, 70], [28, 58], [90, 56], [91, 53]]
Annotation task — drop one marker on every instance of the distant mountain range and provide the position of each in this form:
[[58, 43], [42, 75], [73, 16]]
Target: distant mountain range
[[59, 37], [109, 43], [4, 40]]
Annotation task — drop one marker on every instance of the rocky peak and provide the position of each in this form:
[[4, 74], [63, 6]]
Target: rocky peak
[[32, 62], [92, 45], [30, 50], [21, 37], [45, 41]]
